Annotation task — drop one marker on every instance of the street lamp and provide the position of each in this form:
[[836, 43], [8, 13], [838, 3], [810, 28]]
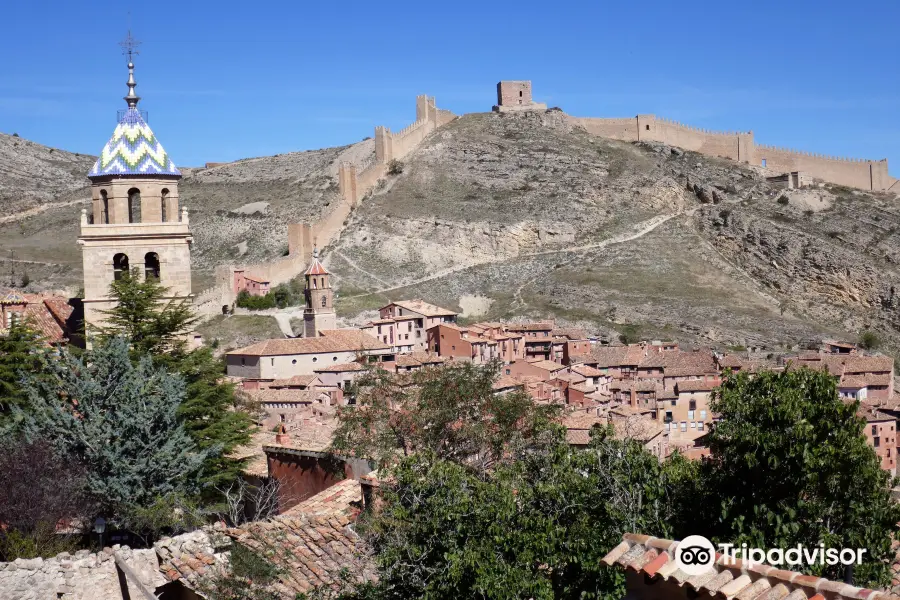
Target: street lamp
[[100, 527]]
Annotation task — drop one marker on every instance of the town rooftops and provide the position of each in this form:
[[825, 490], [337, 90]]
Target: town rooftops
[[547, 365], [617, 356], [48, 315], [654, 558], [696, 385], [543, 326], [586, 371], [295, 381], [637, 427], [331, 340], [423, 308]]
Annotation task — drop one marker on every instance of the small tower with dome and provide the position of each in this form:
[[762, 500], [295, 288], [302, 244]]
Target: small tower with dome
[[319, 312], [135, 221]]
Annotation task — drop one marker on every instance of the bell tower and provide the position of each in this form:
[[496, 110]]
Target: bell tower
[[135, 221], [319, 312]]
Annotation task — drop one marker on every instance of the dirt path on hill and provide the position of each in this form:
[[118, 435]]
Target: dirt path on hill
[[38, 210], [360, 269], [643, 228]]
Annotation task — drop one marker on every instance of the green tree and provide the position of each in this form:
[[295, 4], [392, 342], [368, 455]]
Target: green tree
[[153, 323], [789, 464], [118, 419], [536, 527], [20, 352], [630, 333], [158, 327], [451, 411], [869, 340]]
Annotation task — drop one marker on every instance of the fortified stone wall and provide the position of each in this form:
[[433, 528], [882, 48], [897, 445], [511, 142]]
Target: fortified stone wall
[[740, 146], [355, 181]]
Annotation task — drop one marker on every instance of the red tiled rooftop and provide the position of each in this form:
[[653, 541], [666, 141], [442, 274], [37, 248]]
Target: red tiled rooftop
[[655, 558], [334, 340], [422, 307]]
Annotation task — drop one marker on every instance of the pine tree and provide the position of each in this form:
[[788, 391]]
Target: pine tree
[[157, 327], [20, 352], [120, 420], [144, 314]]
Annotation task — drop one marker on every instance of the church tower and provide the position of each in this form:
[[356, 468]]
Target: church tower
[[134, 221], [319, 312]]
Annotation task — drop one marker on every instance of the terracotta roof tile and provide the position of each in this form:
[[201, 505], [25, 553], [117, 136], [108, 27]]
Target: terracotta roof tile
[[423, 308], [696, 385], [760, 582], [336, 340]]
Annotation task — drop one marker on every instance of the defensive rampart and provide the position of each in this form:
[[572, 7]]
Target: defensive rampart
[[355, 180], [740, 146]]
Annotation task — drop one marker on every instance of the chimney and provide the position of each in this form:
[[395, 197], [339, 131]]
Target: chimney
[[281, 437], [633, 397]]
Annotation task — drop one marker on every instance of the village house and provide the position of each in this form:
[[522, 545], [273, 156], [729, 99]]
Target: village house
[[881, 435], [284, 358], [52, 317], [864, 377], [403, 323], [341, 375], [250, 283], [688, 416], [452, 341]]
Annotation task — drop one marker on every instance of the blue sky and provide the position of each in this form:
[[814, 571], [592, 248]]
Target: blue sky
[[226, 80]]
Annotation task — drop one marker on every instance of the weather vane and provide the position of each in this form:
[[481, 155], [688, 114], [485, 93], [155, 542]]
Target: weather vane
[[129, 45]]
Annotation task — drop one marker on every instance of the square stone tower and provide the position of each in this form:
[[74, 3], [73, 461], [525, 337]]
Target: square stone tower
[[135, 221], [319, 312], [515, 95]]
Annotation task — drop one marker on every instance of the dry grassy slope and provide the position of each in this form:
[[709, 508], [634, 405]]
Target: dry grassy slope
[[484, 196], [298, 186], [32, 174]]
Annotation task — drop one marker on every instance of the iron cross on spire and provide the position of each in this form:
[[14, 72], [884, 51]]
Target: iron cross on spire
[[129, 45]]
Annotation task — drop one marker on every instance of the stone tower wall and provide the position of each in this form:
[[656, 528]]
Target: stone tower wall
[[740, 146]]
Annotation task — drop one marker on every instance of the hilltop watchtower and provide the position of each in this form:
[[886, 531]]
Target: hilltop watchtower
[[135, 220], [515, 96]]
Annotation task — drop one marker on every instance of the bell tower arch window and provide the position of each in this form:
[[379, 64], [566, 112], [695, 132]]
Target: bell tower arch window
[[164, 198], [134, 205], [120, 266], [104, 207], [324, 301], [151, 265]]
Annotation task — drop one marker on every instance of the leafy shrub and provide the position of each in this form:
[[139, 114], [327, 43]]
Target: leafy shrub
[[395, 167], [869, 340], [245, 300]]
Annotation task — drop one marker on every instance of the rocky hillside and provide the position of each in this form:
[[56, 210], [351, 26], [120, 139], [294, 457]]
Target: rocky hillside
[[527, 215], [239, 210]]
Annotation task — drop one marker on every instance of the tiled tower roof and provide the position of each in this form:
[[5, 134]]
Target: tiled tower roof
[[316, 267], [133, 150]]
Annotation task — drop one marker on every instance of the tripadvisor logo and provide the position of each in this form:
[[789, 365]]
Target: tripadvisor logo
[[695, 555]]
